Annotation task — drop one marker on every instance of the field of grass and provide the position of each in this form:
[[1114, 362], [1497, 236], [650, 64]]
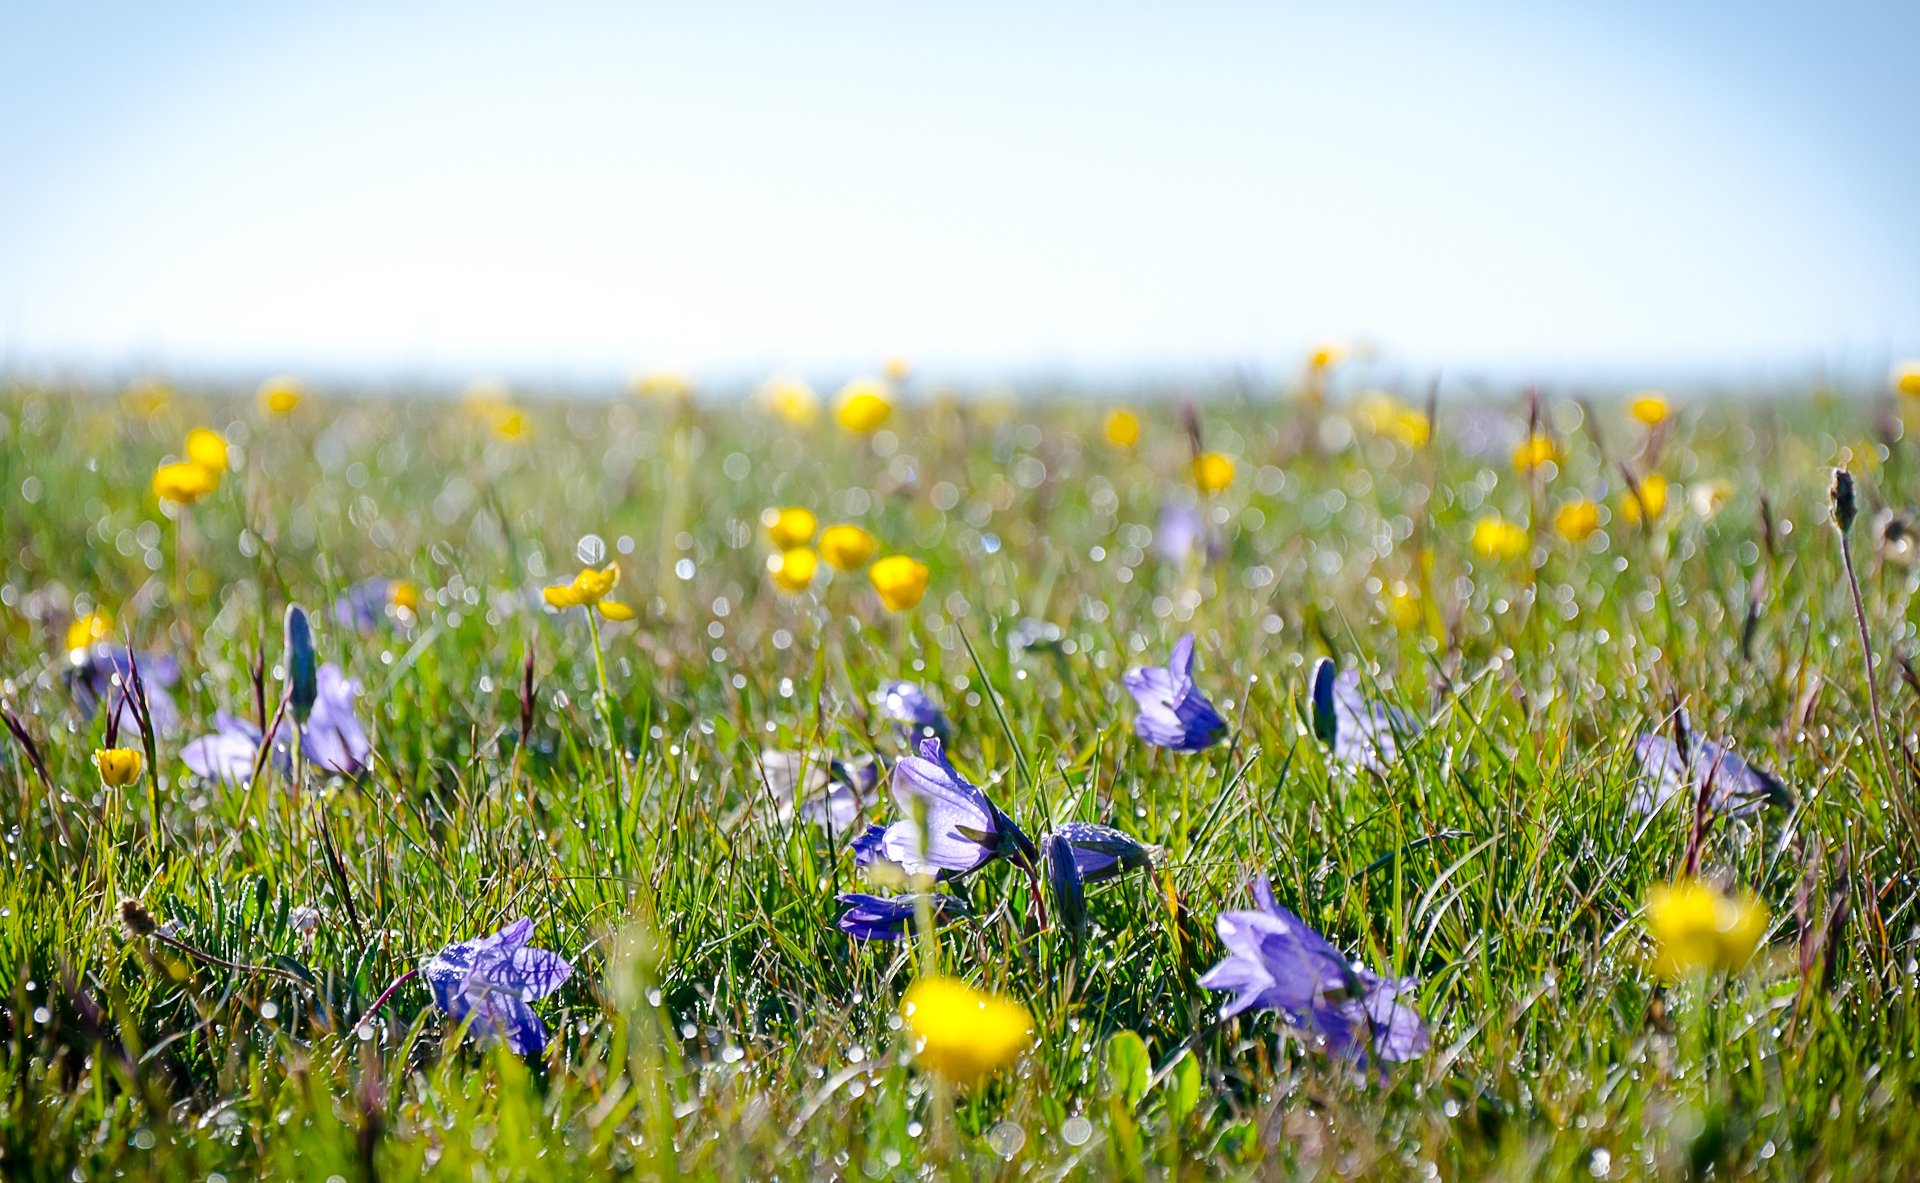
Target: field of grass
[[719, 1025]]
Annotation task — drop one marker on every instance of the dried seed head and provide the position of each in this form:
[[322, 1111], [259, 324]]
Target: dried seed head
[[134, 915], [1845, 509]]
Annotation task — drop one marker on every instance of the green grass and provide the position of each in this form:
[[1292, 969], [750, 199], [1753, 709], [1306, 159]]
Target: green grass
[[720, 1027]]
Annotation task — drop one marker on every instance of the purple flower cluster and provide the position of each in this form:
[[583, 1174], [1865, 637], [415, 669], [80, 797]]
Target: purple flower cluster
[[333, 738], [488, 983]]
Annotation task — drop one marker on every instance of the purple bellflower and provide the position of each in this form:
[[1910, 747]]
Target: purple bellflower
[[1734, 787], [963, 829], [1180, 528], [492, 979], [1173, 712], [1102, 852], [333, 739], [890, 917], [1362, 734], [818, 787], [1065, 884], [100, 672], [1275, 962], [367, 605], [913, 710]]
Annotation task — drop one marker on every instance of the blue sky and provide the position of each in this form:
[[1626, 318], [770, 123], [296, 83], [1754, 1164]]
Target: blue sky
[[572, 192]]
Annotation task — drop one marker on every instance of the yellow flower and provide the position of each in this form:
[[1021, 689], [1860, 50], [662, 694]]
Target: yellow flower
[[1710, 496], [1326, 355], [1696, 926], [1533, 452], [847, 548], [897, 368], [665, 385], [1906, 378], [589, 589], [862, 406], [279, 396], [208, 449], [403, 595], [792, 400], [184, 483], [1497, 538], [961, 1033], [900, 580], [1649, 504], [1650, 407], [1123, 428], [1577, 520], [1212, 472], [793, 569], [85, 630], [1386, 415], [789, 527], [119, 767], [1403, 606]]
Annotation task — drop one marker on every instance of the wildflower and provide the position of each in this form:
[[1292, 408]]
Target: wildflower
[[208, 449], [1734, 787], [490, 981], [1649, 503], [1707, 498], [951, 826], [371, 601], [847, 548], [793, 569], [1533, 453], [333, 738], [1065, 885], [589, 589], [184, 483], [665, 385], [1122, 428], [1102, 852], [1212, 472], [900, 580], [1696, 926], [1649, 407], [118, 767], [1361, 733], [897, 368], [1275, 962], [101, 672], [147, 397], [228, 755], [792, 400], [1402, 606], [509, 425], [817, 787], [1179, 529], [961, 1033], [1173, 712], [302, 680], [1326, 355], [862, 406], [887, 918], [279, 396], [1497, 538], [1906, 378], [908, 705], [789, 527], [89, 628], [1577, 520]]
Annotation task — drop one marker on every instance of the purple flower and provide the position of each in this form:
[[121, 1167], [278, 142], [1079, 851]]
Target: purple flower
[[364, 607], [909, 706], [1173, 712], [332, 740], [1275, 962], [816, 787], [1102, 852], [1362, 734], [1065, 884], [951, 826], [1734, 787], [99, 673], [1180, 527], [887, 918], [491, 980]]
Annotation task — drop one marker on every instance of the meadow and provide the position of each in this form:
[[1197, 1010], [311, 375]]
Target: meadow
[[205, 974]]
